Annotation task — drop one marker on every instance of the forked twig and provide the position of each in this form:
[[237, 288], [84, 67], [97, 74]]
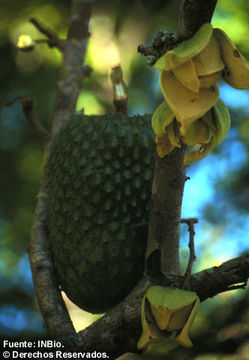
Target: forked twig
[[53, 40], [28, 105], [192, 256]]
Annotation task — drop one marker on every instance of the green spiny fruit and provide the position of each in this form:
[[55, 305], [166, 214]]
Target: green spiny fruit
[[99, 182]]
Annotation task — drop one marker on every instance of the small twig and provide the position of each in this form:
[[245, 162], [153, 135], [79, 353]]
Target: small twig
[[188, 220], [53, 40], [192, 257], [28, 110], [162, 42], [120, 98]]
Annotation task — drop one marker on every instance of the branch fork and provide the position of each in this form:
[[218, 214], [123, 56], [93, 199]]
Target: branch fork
[[52, 39]]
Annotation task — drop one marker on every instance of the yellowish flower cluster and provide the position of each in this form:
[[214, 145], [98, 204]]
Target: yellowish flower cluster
[[191, 112], [167, 314]]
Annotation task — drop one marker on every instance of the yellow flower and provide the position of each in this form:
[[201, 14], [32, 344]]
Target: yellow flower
[[192, 112], [25, 43], [208, 131], [167, 315]]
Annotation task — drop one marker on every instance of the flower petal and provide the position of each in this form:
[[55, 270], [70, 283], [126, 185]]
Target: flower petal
[[190, 136], [218, 121], [178, 318], [209, 80], [198, 155], [183, 337], [186, 74], [210, 120], [150, 330], [236, 72], [198, 133], [223, 121], [167, 309], [186, 104], [203, 133], [163, 146], [161, 118], [209, 60], [186, 49], [174, 134]]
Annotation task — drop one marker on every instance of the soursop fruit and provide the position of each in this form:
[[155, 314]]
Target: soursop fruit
[[99, 183]]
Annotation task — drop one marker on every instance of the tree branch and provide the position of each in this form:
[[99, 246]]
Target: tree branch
[[51, 303], [193, 14], [49, 298], [191, 245], [163, 242], [28, 110], [53, 39], [73, 73], [28, 105], [213, 281], [119, 330]]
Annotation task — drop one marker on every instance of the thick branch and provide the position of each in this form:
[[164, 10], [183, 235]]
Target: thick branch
[[119, 330], [48, 294], [163, 242], [69, 86], [213, 281], [51, 304], [193, 14]]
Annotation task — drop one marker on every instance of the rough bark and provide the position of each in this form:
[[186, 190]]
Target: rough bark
[[49, 297], [162, 253], [57, 320], [73, 70], [193, 14]]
